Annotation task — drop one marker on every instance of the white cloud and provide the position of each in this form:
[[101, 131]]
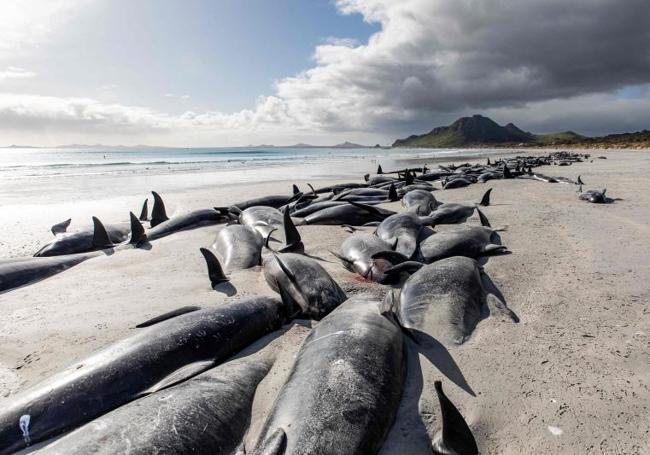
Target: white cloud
[[13, 72], [540, 63]]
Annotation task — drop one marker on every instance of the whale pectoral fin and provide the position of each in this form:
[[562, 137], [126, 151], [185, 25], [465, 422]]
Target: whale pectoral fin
[[180, 375], [484, 221], [215, 272], [168, 315], [275, 444], [100, 236], [455, 435], [492, 249]]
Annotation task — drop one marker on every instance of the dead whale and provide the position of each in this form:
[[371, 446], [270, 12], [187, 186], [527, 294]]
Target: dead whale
[[303, 283], [344, 389], [239, 246], [447, 299], [358, 254], [152, 358], [469, 241], [204, 415]]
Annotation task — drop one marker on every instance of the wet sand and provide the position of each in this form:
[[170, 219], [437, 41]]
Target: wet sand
[[572, 376]]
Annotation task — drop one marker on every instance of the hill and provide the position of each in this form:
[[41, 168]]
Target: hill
[[468, 131], [480, 131]]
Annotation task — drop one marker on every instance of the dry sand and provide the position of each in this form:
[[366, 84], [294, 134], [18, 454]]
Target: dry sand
[[572, 377]]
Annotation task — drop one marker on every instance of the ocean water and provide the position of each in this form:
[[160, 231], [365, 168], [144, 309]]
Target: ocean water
[[40, 186], [26, 171]]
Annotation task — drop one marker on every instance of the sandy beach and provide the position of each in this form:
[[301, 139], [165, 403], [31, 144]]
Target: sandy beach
[[572, 376]]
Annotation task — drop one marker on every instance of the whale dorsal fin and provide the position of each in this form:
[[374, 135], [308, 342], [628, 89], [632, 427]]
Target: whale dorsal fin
[[456, 436], [293, 241], [168, 315], [296, 190], [215, 272], [485, 200], [138, 235], [100, 236], [144, 213], [158, 213], [392, 193], [60, 228]]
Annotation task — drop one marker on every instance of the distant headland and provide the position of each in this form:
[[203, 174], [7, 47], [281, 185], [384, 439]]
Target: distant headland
[[480, 131]]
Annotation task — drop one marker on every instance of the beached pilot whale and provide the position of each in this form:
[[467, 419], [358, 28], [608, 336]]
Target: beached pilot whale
[[162, 225], [469, 241], [419, 201], [453, 213], [19, 272], [344, 389], [83, 241], [359, 254], [303, 283], [239, 246], [594, 196], [207, 414], [353, 213], [455, 437], [153, 358], [405, 230], [447, 299]]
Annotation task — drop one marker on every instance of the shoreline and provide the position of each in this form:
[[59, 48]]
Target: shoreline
[[577, 279]]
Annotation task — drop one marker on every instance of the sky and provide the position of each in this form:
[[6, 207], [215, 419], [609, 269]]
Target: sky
[[236, 72]]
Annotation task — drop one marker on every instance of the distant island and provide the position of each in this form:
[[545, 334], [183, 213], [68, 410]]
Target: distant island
[[480, 131]]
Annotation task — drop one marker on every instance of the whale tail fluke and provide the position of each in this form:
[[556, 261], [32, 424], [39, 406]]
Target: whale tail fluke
[[456, 436], [138, 236], [100, 236], [485, 200], [158, 213], [60, 228], [144, 213], [215, 271]]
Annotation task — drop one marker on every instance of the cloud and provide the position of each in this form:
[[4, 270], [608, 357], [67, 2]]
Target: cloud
[[544, 64], [433, 58], [13, 72]]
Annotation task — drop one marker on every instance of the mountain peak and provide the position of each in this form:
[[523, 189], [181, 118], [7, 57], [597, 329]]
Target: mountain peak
[[474, 130]]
